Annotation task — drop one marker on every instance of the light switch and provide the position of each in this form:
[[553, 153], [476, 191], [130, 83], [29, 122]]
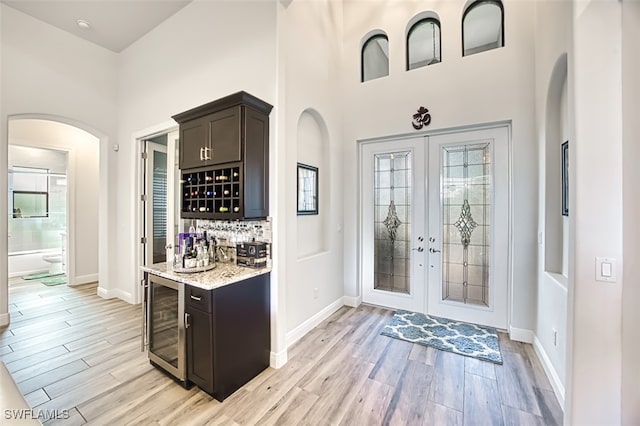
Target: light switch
[[606, 269]]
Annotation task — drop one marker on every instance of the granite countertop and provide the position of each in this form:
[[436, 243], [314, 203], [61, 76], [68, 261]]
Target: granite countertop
[[223, 274]]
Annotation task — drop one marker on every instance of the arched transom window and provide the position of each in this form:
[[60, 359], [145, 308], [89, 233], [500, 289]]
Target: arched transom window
[[482, 27], [423, 43], [375, 57]]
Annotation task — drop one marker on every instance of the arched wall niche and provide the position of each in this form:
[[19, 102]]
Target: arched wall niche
[[313, 150], [556, 229]]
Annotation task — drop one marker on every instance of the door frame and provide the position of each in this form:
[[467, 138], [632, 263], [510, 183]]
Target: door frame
[[430, 133], [148, 146], [136, 183]]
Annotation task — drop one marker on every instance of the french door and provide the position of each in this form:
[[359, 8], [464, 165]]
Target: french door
[[393, 223], [435, 225], [469, 226], [159, 204]]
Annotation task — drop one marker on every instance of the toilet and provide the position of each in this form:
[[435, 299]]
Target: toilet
[[55, 262]]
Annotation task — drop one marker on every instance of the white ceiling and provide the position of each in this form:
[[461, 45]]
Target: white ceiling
[[115, 24]]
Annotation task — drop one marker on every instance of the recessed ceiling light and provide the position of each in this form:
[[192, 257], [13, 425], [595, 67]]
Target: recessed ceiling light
[[83, 24]]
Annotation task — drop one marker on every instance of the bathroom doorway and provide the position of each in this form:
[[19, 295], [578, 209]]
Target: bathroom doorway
[[49, 205], [37, 182]]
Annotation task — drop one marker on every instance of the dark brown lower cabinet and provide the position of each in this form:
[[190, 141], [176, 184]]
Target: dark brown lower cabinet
[[228, 334]]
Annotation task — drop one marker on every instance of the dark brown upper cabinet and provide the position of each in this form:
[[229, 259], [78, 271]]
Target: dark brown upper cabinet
[[224, 157]]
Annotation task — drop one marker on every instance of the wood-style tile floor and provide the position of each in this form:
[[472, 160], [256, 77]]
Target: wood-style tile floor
[[68, 349]]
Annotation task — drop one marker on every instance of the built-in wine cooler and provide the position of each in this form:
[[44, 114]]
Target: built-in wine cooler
[[163, 325]]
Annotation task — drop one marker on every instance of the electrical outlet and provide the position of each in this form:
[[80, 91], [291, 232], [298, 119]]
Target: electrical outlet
[[315, 293], [555, 337]]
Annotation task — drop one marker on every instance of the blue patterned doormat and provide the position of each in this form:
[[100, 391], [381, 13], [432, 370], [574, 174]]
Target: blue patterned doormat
[[448, 335]]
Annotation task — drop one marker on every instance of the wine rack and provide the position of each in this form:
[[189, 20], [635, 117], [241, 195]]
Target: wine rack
[[214, 193]]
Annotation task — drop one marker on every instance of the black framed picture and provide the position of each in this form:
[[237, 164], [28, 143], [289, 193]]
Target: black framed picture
[[307, 189], [565, 178]]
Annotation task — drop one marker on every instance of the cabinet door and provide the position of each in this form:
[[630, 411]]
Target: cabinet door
[[200, 349], [224, 136], [193, 139], [256, 160]]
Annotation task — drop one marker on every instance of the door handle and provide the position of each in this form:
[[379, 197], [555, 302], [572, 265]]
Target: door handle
[[187, 322], [207, 151], [196, 298], [419, 249], [143, 333], [202, 154], [432, 250]]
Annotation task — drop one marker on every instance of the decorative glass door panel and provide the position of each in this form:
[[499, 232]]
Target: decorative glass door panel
[[392, 221], [469, 226], [466, 212]]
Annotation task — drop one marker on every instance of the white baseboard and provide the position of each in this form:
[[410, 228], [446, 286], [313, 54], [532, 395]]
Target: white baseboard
[[278, 359], [554, 379], [297, 333], [111, 294], [521, 335], [86, 279], [4, 319], [354, 302]]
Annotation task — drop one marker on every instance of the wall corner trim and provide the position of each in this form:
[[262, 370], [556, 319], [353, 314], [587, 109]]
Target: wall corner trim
[[308, 325], [85, 279], [4, 319], [521, 335], [111, 294], [278, 359], [353, 301], [556, 383]]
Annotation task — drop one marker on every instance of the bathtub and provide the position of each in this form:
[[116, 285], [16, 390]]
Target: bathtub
[[29, 262]]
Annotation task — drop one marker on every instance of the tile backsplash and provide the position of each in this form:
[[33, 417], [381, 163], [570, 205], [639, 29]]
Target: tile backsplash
[[234, 231]]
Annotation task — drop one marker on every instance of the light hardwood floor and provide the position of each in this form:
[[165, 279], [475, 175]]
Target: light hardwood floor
[[68, 349]]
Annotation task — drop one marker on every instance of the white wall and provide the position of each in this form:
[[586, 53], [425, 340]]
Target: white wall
[[48, 72], [631, 212], [310, 76], [553, 52], [595, 328], [83, 186], [564, 124], [492, 86], [207, 50]]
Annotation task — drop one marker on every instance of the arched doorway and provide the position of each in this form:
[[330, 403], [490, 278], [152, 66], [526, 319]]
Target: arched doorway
[[64, 135]]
